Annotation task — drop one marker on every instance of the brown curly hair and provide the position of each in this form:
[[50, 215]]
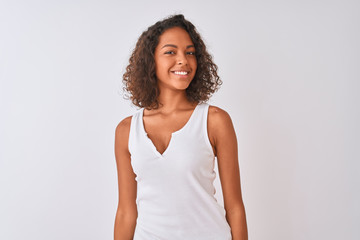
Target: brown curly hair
[[140, 80]]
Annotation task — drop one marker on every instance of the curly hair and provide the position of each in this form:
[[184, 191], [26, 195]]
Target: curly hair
[[140, 79]]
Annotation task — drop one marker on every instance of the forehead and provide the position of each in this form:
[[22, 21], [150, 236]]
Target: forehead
[[175, 35]]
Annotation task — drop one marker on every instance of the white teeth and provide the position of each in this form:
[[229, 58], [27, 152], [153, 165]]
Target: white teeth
[[181, 73]]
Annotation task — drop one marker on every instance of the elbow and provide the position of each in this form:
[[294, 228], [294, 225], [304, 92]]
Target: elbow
[[124, 227]]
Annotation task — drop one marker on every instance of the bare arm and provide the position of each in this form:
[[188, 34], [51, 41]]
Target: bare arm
[[126, 215], [223, 138]]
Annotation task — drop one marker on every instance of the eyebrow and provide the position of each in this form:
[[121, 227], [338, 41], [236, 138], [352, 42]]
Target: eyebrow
[[174, 46]]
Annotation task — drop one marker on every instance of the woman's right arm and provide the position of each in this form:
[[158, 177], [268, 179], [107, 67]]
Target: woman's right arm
[[126, 215]]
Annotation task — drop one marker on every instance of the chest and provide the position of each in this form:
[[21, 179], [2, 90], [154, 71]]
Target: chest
[[160, 129]]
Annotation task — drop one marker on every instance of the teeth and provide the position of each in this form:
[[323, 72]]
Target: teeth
[[181, 73]]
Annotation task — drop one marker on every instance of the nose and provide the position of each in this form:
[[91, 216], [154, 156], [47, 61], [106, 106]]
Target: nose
[[182, 60]]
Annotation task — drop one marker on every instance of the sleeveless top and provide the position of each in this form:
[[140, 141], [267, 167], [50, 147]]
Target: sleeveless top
[[175, 192]]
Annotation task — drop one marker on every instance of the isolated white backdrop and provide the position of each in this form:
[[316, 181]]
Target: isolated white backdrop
[[291, 76]]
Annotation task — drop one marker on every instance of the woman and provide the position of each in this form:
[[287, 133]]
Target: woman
[[165, 151]]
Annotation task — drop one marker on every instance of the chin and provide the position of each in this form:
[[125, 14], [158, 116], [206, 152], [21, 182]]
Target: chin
[[182, 86], [176, 85]]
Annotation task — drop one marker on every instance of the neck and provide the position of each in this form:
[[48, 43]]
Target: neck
[[171, 100]]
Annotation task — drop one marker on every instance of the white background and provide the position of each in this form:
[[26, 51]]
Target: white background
[[291, 81]]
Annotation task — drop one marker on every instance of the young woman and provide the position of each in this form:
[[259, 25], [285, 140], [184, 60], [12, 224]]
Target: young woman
[[165, 151]]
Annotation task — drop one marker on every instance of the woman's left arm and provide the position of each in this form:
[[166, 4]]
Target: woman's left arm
[[223, 138]]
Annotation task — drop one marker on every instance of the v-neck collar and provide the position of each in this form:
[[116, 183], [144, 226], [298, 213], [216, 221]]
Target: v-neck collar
[[162, 155]]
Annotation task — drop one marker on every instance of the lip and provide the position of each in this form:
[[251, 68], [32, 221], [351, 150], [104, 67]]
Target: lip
[[188, 72], [180, 70]]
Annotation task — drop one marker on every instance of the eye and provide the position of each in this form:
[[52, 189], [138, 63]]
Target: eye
[[169, 52], [191, 53]]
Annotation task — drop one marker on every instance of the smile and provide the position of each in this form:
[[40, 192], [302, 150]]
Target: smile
[[182, 73]]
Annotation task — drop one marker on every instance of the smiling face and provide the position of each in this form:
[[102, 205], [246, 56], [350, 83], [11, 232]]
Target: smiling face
[[175, 60]]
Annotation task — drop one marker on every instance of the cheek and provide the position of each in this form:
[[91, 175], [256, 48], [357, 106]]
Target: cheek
[[158, 62], [194, 64], [161, 70]]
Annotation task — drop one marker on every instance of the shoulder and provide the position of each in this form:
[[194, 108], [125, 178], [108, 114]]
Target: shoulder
[[122, 132], [221, 130], [124, 125], [218, 116], [220, 125]]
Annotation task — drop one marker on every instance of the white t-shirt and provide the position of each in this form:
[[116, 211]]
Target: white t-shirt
[[175, 192]]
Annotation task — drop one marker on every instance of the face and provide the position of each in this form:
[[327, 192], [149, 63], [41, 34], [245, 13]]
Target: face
[[175, 59]]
